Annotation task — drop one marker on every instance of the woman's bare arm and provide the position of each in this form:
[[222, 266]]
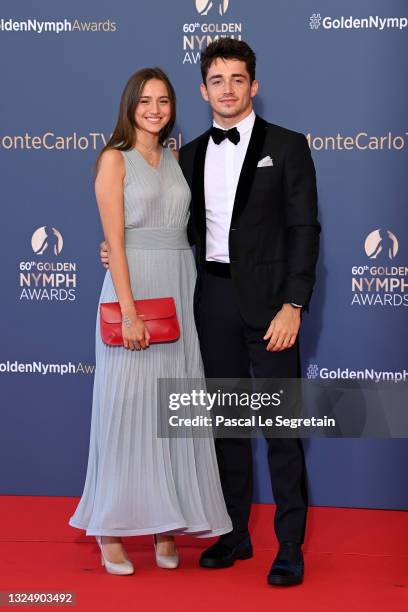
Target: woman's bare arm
[[109, 195]]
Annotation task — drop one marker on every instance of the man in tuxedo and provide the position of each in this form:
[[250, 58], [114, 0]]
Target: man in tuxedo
[[254, 226]]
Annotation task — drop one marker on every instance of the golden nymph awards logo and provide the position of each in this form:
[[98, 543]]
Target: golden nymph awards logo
[[380, 282], [205, 6], [378, 242], [45, 277], [42, 239], [198, 34]]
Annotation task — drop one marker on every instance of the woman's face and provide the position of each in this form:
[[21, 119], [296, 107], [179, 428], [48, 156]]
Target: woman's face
[[153, 110]]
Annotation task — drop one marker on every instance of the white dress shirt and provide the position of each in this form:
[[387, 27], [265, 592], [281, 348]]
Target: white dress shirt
[[223, 164]]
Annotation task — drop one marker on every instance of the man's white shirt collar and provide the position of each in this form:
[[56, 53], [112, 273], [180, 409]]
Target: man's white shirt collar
[[243, 126]]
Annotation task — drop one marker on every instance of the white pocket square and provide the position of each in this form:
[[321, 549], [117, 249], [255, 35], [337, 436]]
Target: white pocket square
[[266, 161]]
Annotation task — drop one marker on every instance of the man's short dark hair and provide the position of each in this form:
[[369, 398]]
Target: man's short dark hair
[[228, 48]]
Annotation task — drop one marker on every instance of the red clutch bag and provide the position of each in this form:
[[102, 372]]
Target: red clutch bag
[[159, 316]]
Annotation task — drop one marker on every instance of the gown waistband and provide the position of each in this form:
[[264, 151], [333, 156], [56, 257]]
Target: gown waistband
[[174, 238]]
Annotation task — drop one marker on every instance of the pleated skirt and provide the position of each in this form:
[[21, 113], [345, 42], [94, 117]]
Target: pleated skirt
[[137, 483]]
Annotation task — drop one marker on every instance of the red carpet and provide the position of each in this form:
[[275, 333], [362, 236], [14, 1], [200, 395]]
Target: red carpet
[[355, 560]]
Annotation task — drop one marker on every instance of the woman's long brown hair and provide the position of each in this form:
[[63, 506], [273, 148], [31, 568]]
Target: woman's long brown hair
[[124, 135]]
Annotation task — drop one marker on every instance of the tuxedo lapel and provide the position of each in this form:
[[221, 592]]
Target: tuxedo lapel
[[198, 194], [249, 166]]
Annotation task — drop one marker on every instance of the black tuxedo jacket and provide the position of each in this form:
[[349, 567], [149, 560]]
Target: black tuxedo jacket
[[274, 231]]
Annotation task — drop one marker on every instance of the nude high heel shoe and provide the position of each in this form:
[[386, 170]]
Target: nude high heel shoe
[[119, 569], [165, 561]]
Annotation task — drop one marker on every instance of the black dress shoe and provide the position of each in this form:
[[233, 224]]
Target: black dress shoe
[[222, 555], [287, 568]]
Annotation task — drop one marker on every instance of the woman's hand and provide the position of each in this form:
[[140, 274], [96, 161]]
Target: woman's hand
[[134, 331]]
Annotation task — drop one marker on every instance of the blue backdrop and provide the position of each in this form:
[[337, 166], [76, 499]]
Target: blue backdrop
[[334, 71]]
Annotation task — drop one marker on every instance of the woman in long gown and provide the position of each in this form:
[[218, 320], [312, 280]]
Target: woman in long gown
[[136, 482]]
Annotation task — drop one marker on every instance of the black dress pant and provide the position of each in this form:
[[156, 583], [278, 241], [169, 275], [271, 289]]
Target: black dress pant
[[230, 349]]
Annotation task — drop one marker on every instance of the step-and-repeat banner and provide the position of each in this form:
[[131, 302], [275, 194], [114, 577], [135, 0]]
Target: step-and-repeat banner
[[333, 71]]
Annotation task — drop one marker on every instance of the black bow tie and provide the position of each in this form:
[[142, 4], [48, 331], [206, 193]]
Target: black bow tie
[[219, 135]]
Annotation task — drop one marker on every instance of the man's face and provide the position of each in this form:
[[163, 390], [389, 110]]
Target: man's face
[[228, 90]]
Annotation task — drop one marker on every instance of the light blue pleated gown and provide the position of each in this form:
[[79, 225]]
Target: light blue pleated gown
[[136, 482]]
